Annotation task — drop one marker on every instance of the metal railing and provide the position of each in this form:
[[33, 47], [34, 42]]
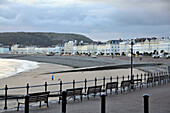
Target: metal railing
[[96, 81]]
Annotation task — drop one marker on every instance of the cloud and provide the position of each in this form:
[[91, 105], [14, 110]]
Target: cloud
[[109, 18]]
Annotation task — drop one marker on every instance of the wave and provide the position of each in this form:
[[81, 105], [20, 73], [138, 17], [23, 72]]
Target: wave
[[10, 67]]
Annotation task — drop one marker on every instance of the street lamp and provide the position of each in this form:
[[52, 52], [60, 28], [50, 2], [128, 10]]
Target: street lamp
[[132, 81]]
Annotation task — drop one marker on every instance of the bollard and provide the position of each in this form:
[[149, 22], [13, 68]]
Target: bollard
[[27, 104], [146, 103], [64, 101], [103, 103]]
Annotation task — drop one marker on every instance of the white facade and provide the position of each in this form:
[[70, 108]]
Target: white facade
[[35, 50], [4, 50], [151, 45]]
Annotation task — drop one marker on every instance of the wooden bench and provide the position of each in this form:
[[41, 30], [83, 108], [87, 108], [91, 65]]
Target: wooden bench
[[94, 90], [156, 80], [36, 97], [72, 93], [138, 81], [124, 84], [149, 81], [112, 85]]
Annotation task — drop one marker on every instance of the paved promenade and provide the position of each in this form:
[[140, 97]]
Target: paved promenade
[[128, 102]]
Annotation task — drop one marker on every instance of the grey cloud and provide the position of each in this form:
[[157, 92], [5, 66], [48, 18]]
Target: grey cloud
[[109, 17]]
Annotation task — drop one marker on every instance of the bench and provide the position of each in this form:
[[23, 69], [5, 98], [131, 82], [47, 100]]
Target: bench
[[156, 79], [72, 93], [138, 81], [149, 81], [124, 84], [36, 97], [94, 90], [112, 85]]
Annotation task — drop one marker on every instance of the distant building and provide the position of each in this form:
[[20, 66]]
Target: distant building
[[17, 49], [4, 50], [68, 47]]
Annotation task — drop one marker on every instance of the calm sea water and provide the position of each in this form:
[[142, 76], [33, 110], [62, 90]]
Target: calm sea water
[[9, 67]]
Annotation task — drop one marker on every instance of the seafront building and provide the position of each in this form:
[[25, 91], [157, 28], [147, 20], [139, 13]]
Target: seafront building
[[4, 50], [17, 49], [112, 47], [146, 45], [152, 45]]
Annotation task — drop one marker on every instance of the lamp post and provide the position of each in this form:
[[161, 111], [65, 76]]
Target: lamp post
[[132, 82]]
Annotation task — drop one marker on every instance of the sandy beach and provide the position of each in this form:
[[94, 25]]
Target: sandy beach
[[37, 77]]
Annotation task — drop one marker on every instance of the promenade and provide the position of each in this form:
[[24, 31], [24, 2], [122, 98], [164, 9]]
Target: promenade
[[128, 102]]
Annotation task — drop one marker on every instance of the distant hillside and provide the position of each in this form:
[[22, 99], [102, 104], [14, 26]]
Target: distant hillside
[[40, 38]]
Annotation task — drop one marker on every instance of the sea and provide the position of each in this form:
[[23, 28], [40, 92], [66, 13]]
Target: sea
[[10, 67]]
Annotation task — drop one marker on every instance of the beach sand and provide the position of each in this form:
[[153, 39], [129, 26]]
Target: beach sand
[[37, 77]]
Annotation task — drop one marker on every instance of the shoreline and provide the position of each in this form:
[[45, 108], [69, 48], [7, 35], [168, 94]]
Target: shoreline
[[35, 77], [11, 67]]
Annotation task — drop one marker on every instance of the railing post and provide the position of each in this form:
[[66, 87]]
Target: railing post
[[103, 82], [85, 84], [137, 78], [146, 103], [95, 81], [111, 79], [27, 104], [145, 77], [117, 84], [73, 84], [6, 96], [141, 80], [103, 103], [141, 76], [45, 86], [64, 101], [61, 86], [27, 88]]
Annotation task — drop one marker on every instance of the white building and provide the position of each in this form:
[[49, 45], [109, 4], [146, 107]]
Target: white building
[[4, 50], [16, 49]]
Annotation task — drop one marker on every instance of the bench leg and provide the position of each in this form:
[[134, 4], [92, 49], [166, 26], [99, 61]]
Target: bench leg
[[88, 97], [81, 97], [40, 104], [59, 100], [116, 91], [18, 107], [47, 105], [74, 98]]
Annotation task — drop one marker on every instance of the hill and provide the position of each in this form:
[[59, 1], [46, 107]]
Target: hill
[[40, 38]]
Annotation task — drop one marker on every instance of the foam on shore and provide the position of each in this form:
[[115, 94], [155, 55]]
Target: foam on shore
[[9, 67]]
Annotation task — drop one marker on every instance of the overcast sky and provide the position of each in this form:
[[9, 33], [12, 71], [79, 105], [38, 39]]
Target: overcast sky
[[97, 19]]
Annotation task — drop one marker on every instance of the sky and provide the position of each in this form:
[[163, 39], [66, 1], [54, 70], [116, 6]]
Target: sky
[[100, 20]]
